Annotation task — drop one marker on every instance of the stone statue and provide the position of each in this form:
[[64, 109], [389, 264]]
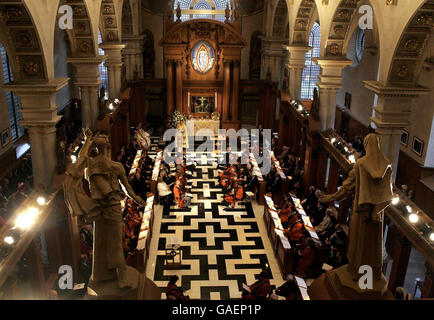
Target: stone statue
[[370, 182], [101, 205], [314, 111]]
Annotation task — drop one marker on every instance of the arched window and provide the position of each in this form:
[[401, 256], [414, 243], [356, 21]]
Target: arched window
[[207, 5], [102, 68], [360, 44], [311, 70], [13, 101]]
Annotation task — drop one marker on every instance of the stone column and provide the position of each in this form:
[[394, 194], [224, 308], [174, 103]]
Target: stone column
[[330, 81], [296, 64], [179, 100], [226, 90], [39, 111], [392, 115], [87, 78], [169, 87], [114, 67], [272, 54], [133, 54], [236, 93]]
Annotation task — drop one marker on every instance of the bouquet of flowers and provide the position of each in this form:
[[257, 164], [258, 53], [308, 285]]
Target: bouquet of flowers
[[177, 119]]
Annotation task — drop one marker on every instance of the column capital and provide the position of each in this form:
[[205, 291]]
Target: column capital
[[393, 109], [86, 61], [295, 49], [331, 72], [328, 63], [297, 56], [394, 91], [87, 71], [113, 54], [107, 46], [36, 89], [38, 101]]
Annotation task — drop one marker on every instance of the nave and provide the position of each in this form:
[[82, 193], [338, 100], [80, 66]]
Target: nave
[[221, 249]]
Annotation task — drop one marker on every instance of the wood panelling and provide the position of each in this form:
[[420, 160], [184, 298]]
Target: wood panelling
[[410, 173], [352, 128]]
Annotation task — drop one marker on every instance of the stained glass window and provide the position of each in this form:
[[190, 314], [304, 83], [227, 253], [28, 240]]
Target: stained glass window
[[311, 70], [102, 68], [203, 5], [203, 57], [13, 101]]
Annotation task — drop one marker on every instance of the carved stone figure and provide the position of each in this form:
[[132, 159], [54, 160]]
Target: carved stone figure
[[314, 111], [101, 205], [148, 55], [255, 56], [370, 182]]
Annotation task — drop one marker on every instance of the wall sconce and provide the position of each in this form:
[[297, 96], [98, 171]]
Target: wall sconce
[[391, 2]]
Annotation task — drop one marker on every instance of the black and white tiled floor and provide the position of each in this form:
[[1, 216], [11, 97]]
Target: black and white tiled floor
[[221, 249]]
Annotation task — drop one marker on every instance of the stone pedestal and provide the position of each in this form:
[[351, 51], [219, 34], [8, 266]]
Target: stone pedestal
[[143, 289], [338, 285]]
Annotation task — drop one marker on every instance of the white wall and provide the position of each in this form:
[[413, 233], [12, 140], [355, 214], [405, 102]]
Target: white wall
[[362, 99], [422, 117], [156, 24], [249, 24]]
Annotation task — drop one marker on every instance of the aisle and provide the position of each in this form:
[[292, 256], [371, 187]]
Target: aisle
[[221, 249]]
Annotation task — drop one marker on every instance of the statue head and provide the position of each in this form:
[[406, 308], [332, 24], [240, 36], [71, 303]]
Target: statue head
[[100, 146]]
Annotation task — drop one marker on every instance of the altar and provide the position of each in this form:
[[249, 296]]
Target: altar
[[194, 125]]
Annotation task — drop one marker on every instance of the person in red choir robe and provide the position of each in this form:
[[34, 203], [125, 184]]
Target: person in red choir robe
[[173, 292], [306, 256], [236, 195], [285, 213], [259, 290], [177, 192], [295, 231]]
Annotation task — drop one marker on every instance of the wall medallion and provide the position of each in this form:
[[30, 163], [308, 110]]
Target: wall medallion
[[31, 68], [203, 57]]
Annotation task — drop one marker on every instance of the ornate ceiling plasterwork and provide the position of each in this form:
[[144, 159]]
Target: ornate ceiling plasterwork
[[407, 60], [23, 40]]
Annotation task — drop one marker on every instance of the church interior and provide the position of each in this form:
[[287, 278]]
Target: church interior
[[217, 150]]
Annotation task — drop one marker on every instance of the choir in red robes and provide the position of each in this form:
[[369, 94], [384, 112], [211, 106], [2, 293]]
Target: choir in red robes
[[236, 196], [259, 290], [295, 231]]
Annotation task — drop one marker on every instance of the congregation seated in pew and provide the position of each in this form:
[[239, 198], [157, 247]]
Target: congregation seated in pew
[[258, 290]]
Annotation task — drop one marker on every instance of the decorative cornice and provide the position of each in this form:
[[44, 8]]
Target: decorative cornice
[[87, 60], [390, 90], [36, 89]]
